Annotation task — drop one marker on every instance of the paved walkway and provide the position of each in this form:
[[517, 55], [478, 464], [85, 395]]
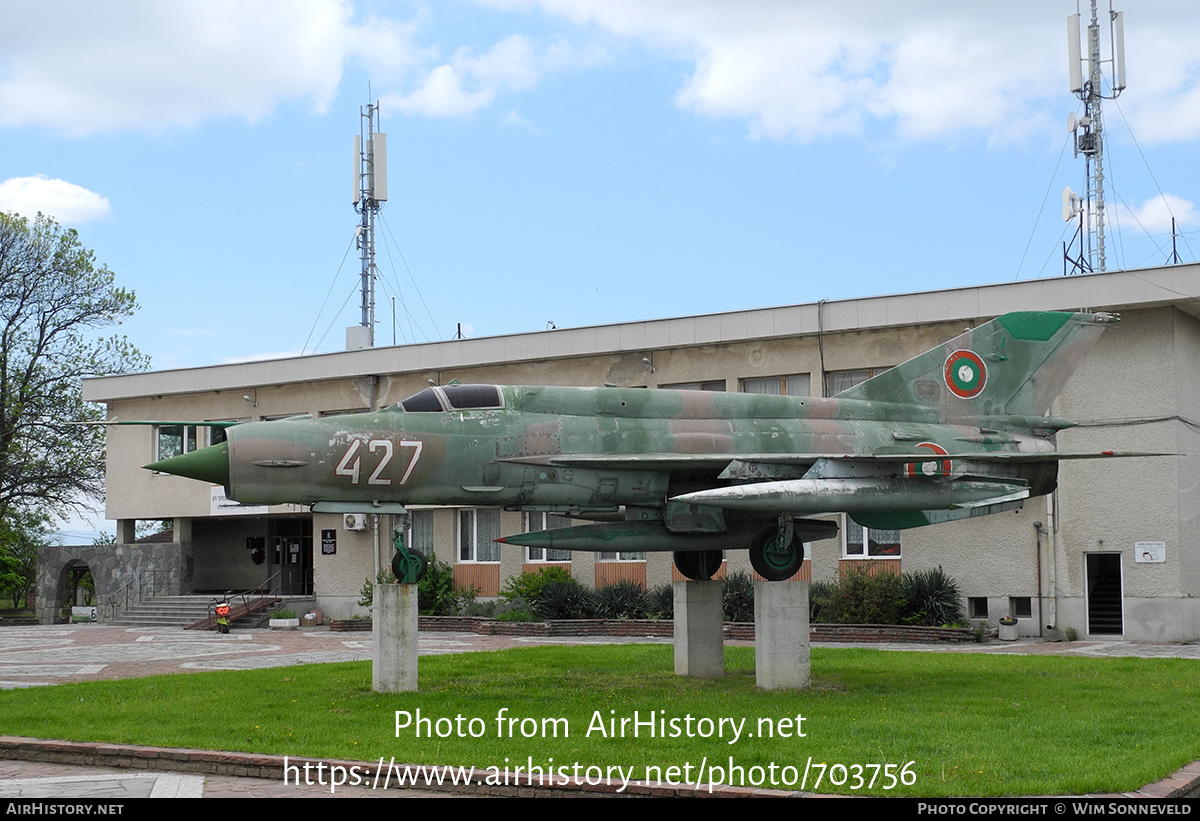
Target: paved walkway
[[38, 656]]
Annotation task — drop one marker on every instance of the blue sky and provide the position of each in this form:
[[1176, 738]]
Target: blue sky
[[572, 161]]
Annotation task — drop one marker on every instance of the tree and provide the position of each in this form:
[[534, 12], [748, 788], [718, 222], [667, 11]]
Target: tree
[[53, 299], [20, 537]]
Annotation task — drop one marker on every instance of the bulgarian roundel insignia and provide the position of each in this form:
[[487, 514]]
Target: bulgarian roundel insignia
[[965, 374], [932, 467]]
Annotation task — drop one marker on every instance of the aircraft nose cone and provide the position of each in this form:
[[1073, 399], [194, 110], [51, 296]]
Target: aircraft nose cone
[[209, 464]]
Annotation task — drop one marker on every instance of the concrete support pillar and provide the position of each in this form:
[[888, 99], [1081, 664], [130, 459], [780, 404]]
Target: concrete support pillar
[[699, 644], [394, 638], [126, 531], [781, 635]]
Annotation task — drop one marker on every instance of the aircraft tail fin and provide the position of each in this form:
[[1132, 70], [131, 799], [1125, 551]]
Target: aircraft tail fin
[[1003, 373]]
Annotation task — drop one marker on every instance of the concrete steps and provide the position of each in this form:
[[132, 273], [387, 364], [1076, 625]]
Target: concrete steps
[[167, 611]]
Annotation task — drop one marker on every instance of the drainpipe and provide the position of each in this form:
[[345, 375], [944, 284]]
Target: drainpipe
[[1037, 531], [1052, 567], [375, 541]]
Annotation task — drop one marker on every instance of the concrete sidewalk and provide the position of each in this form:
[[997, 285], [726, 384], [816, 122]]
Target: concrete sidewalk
[[38, 656]]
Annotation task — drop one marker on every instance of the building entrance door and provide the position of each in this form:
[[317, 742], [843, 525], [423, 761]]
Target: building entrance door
[[291, 555], [1104, 593]]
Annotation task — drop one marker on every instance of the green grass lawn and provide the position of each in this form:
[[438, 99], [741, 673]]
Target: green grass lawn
[[973, 724]]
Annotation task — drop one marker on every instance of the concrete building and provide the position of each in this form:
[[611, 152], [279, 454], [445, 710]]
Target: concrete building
[[1114, 552]]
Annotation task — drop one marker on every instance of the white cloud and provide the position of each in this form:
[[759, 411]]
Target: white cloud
[[1154, 215], [84, 68], [470, 82], [792, 69], [810, 69], [64, 201], [514, 119]]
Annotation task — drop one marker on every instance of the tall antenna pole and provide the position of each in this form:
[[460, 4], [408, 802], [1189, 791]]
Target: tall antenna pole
[[370, 192], [1089, 129]]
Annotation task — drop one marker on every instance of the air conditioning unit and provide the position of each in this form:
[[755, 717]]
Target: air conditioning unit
[[354, 521]]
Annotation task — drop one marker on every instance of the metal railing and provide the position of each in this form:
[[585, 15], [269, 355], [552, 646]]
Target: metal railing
[[146, 583]]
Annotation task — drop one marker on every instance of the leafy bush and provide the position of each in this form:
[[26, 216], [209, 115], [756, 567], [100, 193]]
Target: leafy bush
[[529, 585], [823, 601], [436, 593], [737, 597], [621, 600], [516, 615], [928, 598], [932, 599], [366, 594], [660, 602], [486, 609], [867, 599], [563, 600]]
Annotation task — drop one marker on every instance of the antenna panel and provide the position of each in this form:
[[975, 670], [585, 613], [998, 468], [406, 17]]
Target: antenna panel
[[379, 167], [357, 171], [1073, 58], [1119, 49]]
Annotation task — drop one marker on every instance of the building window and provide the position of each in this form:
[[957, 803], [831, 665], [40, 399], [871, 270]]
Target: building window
[[174, 440], [627, 556], [546, 521], [1020, 607], [217, 435], [710, 385], [870, 543], [838, 381], [797, 384], [977, 607], [477, 533], [420, 531]]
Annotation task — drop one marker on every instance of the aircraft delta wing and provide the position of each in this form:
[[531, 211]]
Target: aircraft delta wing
[[956, 432]]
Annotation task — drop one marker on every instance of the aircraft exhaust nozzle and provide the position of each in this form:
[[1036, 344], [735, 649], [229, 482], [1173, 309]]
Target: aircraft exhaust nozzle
[[209, 464]]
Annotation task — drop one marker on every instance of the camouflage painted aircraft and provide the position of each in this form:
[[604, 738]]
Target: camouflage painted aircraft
[[957, 432]]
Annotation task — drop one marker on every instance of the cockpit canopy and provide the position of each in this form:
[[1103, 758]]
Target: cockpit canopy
[[454, 397]]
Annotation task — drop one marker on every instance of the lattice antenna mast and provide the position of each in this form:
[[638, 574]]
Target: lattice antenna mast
[[370, 192], [1089, 128]]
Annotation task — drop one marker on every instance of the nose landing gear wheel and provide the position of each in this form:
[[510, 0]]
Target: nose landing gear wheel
[[698, 565], [417, 562]]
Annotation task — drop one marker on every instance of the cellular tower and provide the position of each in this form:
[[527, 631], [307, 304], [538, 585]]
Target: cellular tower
[[1092, 88], [370, 192]]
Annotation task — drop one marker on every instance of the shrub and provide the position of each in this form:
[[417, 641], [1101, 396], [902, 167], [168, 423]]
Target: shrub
[[867, 599], [486, 609], [436, 594], [562, 600], [660, 602], [823, 603], [529, 585], [737, 597], [516, 615], [932, 599], [621, 600], [366, 594]]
